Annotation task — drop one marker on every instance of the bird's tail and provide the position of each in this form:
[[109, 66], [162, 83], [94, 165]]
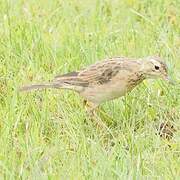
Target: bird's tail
[[66, 81], [39, 86]]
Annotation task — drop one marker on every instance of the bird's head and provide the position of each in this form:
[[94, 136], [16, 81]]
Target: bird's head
[[155, 67]]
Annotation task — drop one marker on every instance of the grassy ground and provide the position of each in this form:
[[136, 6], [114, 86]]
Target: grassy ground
[[47, 134]]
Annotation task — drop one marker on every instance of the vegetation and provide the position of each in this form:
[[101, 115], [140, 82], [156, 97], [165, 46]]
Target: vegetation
[[47, 134]]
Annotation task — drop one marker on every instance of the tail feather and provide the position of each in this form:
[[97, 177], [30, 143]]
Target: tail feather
[[67, 81], [38, 86], [63, 85]]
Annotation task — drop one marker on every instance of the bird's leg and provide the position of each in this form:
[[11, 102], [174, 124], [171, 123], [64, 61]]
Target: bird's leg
[[91, 109], [105, 115]]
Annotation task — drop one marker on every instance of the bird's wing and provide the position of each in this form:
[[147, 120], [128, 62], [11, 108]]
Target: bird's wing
[[99, 73], [71, 78]]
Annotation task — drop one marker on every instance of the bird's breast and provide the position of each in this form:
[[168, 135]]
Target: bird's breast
[[105, 92], [115, 88]]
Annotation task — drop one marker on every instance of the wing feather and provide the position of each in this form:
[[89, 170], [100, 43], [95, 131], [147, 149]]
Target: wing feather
[[99, 73]]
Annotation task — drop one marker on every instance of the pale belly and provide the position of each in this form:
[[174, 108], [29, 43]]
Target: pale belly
[[101, 93]]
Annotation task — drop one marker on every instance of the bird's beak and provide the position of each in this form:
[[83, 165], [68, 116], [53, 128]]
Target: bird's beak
[[169, 80]]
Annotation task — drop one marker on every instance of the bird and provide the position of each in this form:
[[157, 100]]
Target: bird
[[108, 79]]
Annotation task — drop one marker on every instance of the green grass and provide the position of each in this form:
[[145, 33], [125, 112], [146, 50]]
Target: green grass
[[47, 134]]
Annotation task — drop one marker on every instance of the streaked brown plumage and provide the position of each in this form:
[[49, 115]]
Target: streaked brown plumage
[[108, 79]]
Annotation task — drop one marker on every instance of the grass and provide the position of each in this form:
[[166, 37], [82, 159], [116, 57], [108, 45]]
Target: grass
[[47, 134]]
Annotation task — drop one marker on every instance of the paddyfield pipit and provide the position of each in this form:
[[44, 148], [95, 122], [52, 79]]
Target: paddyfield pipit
[[108, 79]]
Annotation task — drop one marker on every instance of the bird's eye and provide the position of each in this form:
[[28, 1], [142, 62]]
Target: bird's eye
[[156, 67]]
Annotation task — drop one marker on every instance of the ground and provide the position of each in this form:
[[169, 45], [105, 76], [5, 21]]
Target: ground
[[47, 134]]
